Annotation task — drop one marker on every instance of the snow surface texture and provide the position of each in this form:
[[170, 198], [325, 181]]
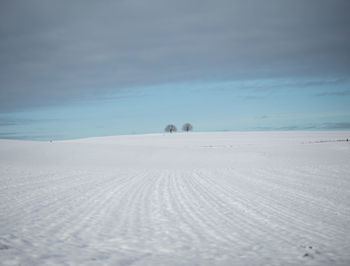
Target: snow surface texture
[[262, 198]]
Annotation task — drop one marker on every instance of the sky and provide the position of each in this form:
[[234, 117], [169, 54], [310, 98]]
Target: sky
[[83, 68]]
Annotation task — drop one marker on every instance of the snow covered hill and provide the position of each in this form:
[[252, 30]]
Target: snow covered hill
[[247, 198]]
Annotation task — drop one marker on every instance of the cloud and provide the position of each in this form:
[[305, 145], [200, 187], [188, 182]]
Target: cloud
[[6, 134], [334, 93], [4, 122], [339, 125], [268, 84], [262, 117], [53, 52], [11, 122], [15, 136], [316, 126]]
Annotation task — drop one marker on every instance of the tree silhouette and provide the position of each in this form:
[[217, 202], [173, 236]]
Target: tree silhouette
[[170, 128], [187, 127]]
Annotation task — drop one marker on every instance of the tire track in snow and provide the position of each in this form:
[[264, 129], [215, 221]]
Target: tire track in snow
[[209, 209], [293, 204], [254, 200], [247, 214], [283, 222], [194, 213], [189, 222], [309, 204]]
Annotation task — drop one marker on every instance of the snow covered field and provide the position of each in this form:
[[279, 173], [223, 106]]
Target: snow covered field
[[257, 198]]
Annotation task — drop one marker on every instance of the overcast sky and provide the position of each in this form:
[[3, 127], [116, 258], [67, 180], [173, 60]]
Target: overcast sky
[[81, 68]]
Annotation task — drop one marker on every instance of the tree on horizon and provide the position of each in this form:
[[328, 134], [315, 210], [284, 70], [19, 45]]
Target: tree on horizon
[[187, 127], [170, 128]]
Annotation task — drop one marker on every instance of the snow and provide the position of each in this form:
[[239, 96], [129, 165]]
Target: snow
[[224, 198]]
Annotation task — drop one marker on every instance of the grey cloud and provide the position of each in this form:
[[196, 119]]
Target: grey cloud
[[334, 93], [28, 137], [54, 51], [6, 122], [262, 117], [299, 127], [341, 125], [21, 121], [12, 122], [6, 134], [316, 126], [252, 97], [285, 84]]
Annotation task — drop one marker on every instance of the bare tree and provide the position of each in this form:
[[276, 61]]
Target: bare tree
[[170, 128], [187, 127]]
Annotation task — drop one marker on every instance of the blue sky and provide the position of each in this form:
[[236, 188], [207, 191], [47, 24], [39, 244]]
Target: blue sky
[[83, 68], [210, 106]]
